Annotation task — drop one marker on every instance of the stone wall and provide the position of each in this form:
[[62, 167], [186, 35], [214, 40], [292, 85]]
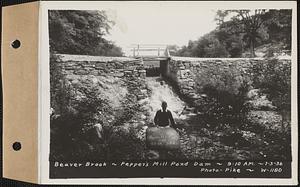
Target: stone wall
[[98, 66], [113, 77], [183, 70]]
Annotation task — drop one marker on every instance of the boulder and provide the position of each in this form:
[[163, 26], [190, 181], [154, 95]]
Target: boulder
[[165, 138], [99, 130], [152, 155], [259, 101]]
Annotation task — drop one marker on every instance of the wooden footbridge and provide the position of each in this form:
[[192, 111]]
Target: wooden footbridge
[[154, 57], [150, 52]]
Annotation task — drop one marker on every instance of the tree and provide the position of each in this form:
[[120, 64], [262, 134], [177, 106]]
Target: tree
[[81, 32], [231, 42], [173, 49], [210, 46], [207, 46], [246, 22], [187, 50], [239, 30], [279, 26]]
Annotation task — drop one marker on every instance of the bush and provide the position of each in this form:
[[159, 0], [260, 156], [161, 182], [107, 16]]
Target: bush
[[76, 110], [274, 79], [124, 144], [279, 146], [73, 135], [224, 95], [70, 129]]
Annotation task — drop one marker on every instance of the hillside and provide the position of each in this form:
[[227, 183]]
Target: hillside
[[256, 35]]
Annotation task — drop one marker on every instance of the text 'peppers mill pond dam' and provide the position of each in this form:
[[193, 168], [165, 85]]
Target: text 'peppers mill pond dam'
[[151, 79]]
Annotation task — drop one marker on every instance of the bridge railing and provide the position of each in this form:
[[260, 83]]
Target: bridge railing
[[149, 50]]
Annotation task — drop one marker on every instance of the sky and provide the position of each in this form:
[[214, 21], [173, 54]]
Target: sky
[[159, 23]]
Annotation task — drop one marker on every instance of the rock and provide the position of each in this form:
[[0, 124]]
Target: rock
[[252, 94], [185, 73], [194, 96], [187, 65], [181, 67], [120, 74], [162, 138], [99, 130], [141, 96], [75, 81], [190, 109], [185, 112], [191, 84], [81, 72], [152, 155], [143, 117], [259, 101], [203, 95], [127, 72], [144, 91], [100, 66]]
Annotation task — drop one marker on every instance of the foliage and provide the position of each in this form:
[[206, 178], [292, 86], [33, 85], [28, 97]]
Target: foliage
[[56, 82], [73, 134], [124, 144], [274, 79], [206, 46], [269, 143], [233, 43], [245, 22], [279, 26], [241, 30], [173, 49], [129, 109], [81, 32], [224, 95], [278, 146], [73, 119], [77, 108]]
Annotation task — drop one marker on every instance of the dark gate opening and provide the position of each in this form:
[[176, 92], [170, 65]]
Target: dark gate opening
[[152, 68], [153, 72], [163, 64], [156, 68]]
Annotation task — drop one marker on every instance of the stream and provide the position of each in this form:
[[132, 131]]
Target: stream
[[198, 140], [201, 140], [191, 138]]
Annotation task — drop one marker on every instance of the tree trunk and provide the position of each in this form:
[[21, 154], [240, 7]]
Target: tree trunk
[[252, 53]]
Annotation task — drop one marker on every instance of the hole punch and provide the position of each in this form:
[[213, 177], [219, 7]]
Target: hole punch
[[16, 44], [17, 146]]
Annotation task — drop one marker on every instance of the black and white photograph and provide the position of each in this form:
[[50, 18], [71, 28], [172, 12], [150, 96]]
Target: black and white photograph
[[165, 85]]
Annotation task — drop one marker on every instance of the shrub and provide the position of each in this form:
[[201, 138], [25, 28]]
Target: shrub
[[225, 94], [124, 144], [58, 94], [70, 136], [77, 108], [273, 78]]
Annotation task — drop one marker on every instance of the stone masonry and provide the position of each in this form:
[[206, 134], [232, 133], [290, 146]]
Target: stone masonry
[[90, 71], [183, 70], [98, 65]]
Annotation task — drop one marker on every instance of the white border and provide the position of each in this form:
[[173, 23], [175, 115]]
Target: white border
[[44, 93]]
